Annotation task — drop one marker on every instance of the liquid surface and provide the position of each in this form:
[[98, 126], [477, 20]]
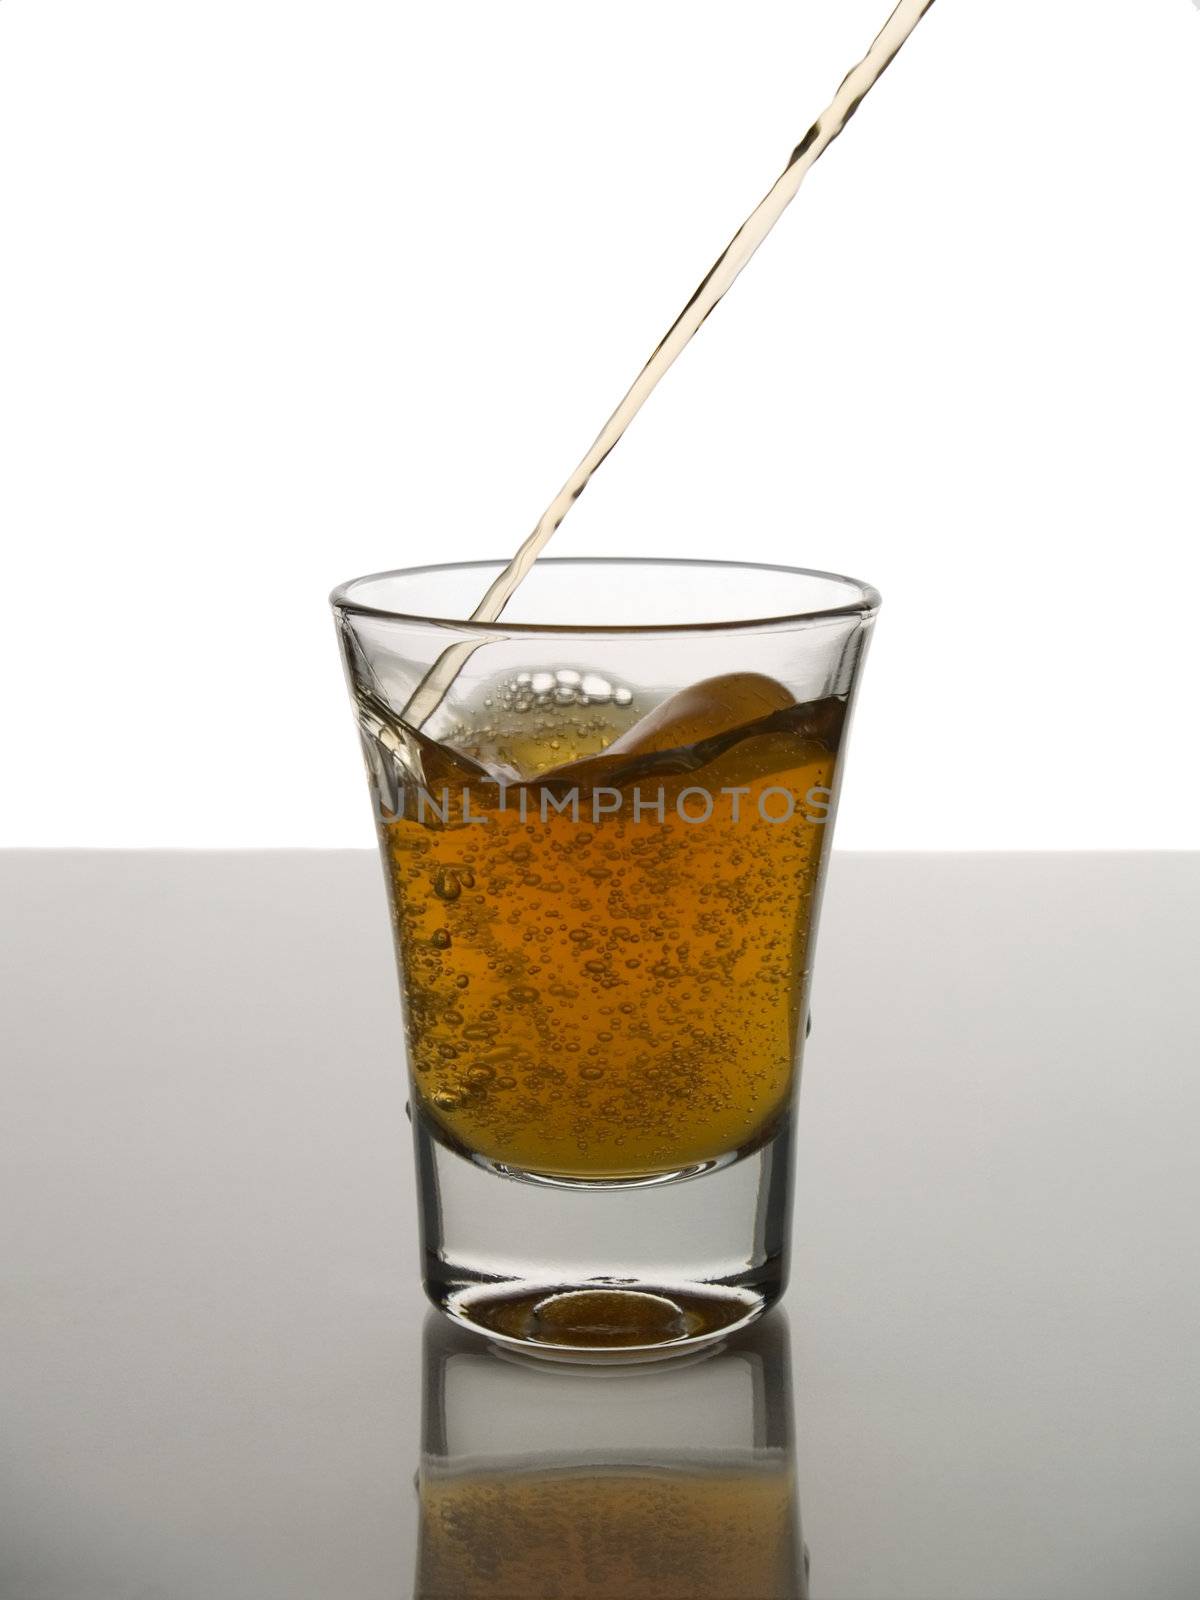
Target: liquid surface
[[614, 990], [623, 1534]]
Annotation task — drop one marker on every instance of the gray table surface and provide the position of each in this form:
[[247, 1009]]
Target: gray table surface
[[209, 1311]]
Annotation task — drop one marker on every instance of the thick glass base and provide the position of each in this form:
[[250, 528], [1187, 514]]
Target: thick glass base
[[604, 1272]]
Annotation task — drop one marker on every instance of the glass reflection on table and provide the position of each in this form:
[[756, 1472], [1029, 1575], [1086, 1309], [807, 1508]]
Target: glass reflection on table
[[671, 1481]]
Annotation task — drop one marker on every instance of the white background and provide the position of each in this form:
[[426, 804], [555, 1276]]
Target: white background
[[291, 291]]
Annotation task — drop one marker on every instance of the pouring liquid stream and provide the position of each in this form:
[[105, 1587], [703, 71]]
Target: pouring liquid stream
[[720, 278]]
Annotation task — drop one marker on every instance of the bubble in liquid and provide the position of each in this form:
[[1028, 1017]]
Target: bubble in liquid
[[446, 885], [565, 686], [447, 1099], [441, 939]]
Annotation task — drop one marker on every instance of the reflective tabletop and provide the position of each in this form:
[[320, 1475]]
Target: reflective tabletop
[[218, 1377]]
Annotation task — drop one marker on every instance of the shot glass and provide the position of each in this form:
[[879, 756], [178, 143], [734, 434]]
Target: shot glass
[[604, 823]]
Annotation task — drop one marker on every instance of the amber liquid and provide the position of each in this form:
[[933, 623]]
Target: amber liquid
[[614, 994], [621, 1534]]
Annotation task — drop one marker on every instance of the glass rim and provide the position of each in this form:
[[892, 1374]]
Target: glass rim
[[868, 602]]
